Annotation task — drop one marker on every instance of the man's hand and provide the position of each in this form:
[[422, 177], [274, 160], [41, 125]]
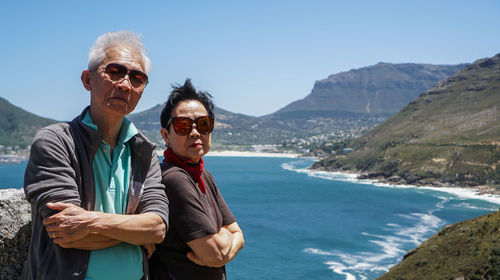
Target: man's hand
[[70, 224]]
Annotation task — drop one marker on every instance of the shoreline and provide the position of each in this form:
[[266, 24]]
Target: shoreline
[[250, 154], [244, 154], [484, 193]]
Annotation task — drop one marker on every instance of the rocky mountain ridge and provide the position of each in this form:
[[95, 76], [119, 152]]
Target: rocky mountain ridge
[[384, 88]]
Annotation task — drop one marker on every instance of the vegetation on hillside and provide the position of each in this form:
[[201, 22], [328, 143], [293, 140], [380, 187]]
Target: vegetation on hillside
[[466, 250], [17, 126], [450, 135]]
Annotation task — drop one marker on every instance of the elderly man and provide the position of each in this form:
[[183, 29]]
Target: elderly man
[[94, 183]]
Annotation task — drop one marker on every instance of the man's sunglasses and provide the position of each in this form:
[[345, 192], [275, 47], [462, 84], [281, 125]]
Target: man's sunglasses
[[118, 72], [183, 126]]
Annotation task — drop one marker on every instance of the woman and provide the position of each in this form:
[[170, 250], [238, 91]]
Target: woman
[[203, 234]]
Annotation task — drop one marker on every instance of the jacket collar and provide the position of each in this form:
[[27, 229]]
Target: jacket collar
[[92, 138]]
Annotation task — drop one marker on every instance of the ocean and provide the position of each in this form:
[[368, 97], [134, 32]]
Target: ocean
[[300, 224]]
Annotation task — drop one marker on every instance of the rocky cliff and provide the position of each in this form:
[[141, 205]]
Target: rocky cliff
[[15, 232]]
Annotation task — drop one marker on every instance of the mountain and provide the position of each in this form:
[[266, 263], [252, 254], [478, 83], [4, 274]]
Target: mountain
[[234, 130], [226, 123], [336, 108], [17, 126], [466, 250], [384, 88], [448, 135]]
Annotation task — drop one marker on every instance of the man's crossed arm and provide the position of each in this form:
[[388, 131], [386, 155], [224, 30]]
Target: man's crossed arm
[[75, 227]]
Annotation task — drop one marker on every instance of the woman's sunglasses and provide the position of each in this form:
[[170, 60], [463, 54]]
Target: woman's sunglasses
[[183, 126], [118, 72]]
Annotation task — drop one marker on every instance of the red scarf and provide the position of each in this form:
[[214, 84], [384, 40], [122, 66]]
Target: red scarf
[[194, 169]]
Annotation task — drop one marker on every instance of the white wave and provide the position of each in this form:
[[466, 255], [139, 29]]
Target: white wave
[[466, 193], [392, 246], [318, 252], [462, 193], [470, 206], [443, 201], [393, 225], [427, 223], [339, 269], [336, 176]]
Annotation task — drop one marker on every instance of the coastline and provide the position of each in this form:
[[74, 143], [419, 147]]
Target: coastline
[[244, 154], [250, 154], [480, 192], [484, 193]]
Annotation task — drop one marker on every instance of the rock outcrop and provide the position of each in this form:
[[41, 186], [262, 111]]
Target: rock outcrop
[[15, 232]]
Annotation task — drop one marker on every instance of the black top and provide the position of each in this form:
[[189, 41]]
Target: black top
[[192, 215]]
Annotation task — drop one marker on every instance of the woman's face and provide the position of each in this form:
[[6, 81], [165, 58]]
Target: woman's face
[[193, 146]]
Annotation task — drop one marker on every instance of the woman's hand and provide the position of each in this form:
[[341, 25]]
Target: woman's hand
[[150, 249], [217, 249]]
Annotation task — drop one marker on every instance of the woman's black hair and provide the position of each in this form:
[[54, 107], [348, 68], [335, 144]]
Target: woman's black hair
[[181, 93]]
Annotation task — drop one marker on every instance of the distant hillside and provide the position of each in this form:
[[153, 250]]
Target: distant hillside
[[226, 123], [466, 250], [450, 134], [233, 129], [336, 108], [383, 88], [17, 126]]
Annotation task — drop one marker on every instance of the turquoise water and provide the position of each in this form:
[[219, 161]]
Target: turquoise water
[[305, 225], [12, 175]]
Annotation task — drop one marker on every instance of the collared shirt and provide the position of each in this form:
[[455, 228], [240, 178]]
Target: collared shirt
[[112, 175]]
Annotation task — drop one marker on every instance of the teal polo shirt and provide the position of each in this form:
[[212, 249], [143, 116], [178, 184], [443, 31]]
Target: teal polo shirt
[[112, 176]]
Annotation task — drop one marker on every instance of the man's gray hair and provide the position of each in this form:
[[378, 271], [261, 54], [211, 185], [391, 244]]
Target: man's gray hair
[[97, 52]]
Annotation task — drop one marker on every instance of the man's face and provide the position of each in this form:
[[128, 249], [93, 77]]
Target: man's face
[[114, 98]]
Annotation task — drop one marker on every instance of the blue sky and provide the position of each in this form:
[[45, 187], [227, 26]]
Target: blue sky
[[255, 56]]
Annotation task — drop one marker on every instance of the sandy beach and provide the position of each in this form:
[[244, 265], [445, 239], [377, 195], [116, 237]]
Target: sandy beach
[[243, 154], [250, 154]]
